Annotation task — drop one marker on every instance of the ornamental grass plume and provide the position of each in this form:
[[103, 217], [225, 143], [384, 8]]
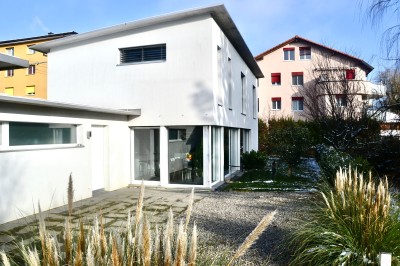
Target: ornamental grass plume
[[352, 226], [253, 236], [138, 243]]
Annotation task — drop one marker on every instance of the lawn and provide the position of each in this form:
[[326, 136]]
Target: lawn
[[305, 178]]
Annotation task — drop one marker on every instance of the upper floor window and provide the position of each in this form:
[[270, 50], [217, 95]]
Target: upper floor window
[[288, 54], [276, 78], [9, 72], [276, 103], [297, 103], [31, 70], [305, 53], [350, 74], [29, 50], [30, 90], [297, 78], [147, 53], [10, 51], [341, 100], [9, 91]]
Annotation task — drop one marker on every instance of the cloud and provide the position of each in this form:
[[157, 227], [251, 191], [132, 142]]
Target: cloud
[[38, 23]]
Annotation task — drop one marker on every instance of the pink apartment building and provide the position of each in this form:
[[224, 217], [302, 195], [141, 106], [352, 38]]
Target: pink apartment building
[[298, 63]]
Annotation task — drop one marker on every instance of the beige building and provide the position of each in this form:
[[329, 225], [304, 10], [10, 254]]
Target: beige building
[[31, 81], [298, 70]]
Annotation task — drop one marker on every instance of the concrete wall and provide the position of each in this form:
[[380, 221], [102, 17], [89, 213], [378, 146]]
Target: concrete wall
[[175, 92], [32, 174]]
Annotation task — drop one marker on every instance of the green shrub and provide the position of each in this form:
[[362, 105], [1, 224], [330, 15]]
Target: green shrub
[[289, 140], [354, 223], [254, 160], [331, 160]]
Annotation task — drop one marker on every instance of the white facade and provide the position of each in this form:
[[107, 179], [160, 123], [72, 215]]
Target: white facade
[[38, 173], [198, 109]]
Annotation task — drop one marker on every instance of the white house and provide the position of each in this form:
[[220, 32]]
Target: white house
[[176, 99]]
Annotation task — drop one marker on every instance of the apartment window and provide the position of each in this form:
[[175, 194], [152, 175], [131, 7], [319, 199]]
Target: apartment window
[[9, 72], [276, 103], [29, 50], [30, 90], [21, 133], [149, 53], [288, 54], [243, 82], [9, 91], [305, 53], [297, 78], [297, 103], [276, 78], [350, 74], [341, 100], [10, 51], [31, 70]]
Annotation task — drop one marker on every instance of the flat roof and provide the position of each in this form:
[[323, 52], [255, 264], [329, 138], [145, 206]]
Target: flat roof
[[217, 12], [12, 62], [45, 103]]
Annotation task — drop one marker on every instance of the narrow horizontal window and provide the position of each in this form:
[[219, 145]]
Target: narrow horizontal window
[[143, 54], [21, 133]]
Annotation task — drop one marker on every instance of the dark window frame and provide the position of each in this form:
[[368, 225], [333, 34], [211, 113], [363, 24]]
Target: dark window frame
[[143, 54]]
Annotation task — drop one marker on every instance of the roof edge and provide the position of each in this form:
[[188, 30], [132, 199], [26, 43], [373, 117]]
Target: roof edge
[[218, 12], [367, 66], [52, 104], [49, 36]]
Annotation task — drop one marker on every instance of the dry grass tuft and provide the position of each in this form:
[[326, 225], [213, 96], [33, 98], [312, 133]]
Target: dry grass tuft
[[136, 244]]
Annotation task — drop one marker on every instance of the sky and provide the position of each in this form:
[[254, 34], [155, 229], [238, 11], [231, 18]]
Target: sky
[[340, 24]]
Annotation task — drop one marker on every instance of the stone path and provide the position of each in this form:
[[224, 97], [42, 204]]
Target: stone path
[[113, 206]]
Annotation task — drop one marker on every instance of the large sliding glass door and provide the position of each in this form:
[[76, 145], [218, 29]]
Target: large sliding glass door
[[185, 155], [147, 154], [231, 150], [216, 154]]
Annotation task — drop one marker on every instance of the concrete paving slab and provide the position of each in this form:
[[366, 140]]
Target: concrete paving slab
[[114, 207]]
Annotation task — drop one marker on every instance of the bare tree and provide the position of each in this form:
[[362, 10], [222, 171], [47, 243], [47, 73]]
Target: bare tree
[[334, 98], [376, 11], [390, 78]]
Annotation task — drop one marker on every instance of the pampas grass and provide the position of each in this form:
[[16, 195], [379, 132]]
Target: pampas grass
[[138, 243], [354, 224], [253, 236]]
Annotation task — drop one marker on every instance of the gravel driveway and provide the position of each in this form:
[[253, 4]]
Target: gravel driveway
[[224, 220]]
